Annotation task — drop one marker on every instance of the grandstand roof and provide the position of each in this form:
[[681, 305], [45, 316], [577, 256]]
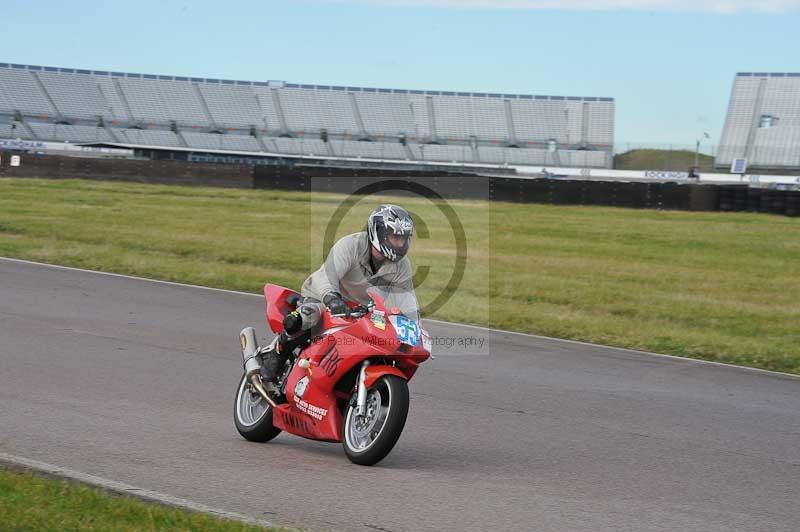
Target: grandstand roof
[[273, 83], [770, 74]]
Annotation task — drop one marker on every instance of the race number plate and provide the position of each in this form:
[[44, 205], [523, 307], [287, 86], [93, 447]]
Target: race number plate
[[408, 332]]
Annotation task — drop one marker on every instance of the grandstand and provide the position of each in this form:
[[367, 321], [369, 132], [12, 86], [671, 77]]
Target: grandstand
[[763, 123], [218, 116]]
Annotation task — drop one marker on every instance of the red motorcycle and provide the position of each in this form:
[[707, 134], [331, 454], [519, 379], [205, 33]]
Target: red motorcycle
[[349, 384]]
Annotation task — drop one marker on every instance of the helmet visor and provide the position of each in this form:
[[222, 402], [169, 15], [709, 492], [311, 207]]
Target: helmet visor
[[398, 243]]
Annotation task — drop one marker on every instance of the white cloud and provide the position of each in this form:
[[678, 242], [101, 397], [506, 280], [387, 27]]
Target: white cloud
[[709, 6]]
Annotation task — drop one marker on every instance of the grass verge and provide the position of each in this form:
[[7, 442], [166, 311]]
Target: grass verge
[[716, 286], [32, 503], [671, 160]]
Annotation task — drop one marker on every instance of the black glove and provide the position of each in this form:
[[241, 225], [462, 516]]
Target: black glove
[[292, 323], [335, 303]]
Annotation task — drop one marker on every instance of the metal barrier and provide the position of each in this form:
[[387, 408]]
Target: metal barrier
[[463, 183]]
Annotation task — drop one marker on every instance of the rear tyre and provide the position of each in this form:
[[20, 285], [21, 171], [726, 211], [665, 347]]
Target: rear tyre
[[252, 414], [369, 438]]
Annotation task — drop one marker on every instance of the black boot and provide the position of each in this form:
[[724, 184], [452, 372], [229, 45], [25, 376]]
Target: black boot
[[273, 359], [274, 356]]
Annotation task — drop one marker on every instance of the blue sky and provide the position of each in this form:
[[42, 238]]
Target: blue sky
[[668, 63]]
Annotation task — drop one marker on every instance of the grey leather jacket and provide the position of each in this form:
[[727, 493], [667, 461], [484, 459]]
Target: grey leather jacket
[[347, 270]]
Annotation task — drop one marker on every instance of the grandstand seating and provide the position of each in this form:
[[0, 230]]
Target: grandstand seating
[[313, 110], [444, 153], [74, 95], [212, 114], [20, 92], [585, 158], [301, 146], [232, 106], [763, 121], [496, 154], [163, 101], [385, 114], [210, 141], [372, 150], [499, 155], [71, 133], [240, 143], [541, 157], [148, 137], [115, 108], [420, 128], [272, 115], [7, 132], [215, 141], [465, 117]]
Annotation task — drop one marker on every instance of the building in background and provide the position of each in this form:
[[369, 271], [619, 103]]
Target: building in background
[[201, 116], [762, 127]]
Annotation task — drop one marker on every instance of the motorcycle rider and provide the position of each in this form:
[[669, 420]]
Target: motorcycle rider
[[374, 257]]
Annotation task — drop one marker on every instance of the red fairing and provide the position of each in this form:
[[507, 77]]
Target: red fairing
[[277, 305], [376, 372], [318, 396]]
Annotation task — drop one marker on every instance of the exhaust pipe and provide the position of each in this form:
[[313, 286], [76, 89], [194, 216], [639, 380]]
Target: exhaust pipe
[[255, 380], [252, 364], [250, 350]]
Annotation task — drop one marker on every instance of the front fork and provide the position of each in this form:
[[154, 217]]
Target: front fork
[[361, 398]]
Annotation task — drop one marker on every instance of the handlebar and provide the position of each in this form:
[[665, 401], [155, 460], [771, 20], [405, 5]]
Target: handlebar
[[357, 312]]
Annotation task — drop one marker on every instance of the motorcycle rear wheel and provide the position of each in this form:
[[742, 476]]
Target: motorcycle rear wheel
[[369, 438], [252, 415]]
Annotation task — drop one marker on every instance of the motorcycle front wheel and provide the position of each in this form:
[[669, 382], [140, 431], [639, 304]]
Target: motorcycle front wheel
[[370, 437], [252, 414]]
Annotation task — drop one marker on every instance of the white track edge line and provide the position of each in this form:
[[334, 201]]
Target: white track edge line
[[624, 349], [465, 325], [123, 276], [113, 486]]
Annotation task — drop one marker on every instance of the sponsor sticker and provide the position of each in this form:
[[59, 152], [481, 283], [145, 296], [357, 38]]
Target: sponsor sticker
[[330, 362], [307, 408], [379, 319], [300, 387], [295, 422]]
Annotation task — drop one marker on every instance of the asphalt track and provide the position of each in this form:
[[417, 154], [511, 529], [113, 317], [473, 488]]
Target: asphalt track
[[133, 381]]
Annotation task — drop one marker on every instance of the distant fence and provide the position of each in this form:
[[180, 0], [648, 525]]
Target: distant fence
[[644, 195], [740, 198], [141, 171], [708, 158], [652, 195]]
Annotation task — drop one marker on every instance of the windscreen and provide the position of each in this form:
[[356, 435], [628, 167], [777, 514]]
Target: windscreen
[[398, 301]]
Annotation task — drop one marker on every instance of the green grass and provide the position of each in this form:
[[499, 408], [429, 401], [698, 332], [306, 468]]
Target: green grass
[[30, 503], [667, 160], [716, 286]]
